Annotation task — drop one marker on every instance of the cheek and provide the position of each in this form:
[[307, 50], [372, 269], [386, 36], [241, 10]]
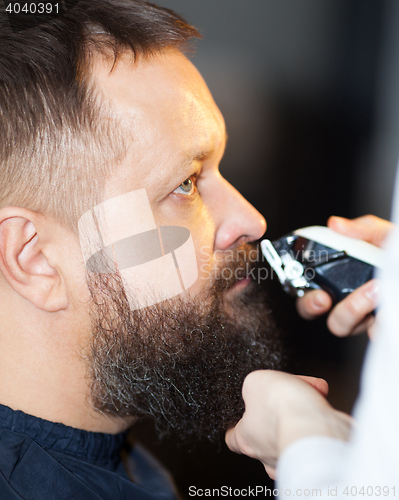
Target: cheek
[[203, 235], [198, 220], [154, 255]]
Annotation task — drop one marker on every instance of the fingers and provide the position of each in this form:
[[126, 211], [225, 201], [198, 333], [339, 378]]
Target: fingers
[[372, 330], [365, 326], [280, 409], [368, 228], [313, 304], [352, 315]]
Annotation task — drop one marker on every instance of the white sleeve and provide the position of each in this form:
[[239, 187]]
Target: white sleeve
[[371, 459]]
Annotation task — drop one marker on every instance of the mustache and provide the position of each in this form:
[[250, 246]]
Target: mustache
[[232, 266], [235, 266]]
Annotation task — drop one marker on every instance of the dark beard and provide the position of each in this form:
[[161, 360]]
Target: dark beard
[[181, 362]]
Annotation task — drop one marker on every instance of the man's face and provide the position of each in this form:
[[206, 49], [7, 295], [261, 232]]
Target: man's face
[[164, 359], [178, 138]]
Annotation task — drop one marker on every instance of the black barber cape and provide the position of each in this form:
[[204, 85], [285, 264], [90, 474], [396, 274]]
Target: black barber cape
[[41, 460]]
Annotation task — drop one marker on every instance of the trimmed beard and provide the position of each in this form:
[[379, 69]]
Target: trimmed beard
[[181, 362]]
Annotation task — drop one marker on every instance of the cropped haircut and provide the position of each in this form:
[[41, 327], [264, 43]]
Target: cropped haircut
[[58, 143]]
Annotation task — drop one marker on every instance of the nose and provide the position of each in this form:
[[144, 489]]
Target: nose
[[237, 221]]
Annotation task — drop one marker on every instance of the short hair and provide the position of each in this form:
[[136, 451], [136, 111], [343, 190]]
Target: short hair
[[56, 145]]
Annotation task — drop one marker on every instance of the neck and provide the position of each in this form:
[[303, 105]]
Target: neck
[[44, 373]]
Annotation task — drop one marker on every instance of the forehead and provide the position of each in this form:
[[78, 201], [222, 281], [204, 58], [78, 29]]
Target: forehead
[[165, 105]]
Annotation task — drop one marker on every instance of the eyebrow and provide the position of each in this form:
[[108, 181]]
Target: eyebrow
[[185, 170], [199, 156], [203, 155]]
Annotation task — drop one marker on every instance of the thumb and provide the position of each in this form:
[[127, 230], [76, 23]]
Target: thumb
[[231, 440], [271, 472], [317, 383]]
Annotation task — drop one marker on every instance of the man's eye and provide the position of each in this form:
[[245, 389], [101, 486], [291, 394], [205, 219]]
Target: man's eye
[[186, 187]]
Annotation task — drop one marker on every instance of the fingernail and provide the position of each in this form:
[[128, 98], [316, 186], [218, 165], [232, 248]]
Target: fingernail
[[373, 291], [319, 301]]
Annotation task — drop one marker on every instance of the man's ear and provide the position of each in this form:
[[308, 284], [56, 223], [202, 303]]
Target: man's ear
[[23, 260]]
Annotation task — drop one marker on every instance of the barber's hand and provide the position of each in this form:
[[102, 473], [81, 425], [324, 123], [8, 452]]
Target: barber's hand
[[353, 314], [279, 409]]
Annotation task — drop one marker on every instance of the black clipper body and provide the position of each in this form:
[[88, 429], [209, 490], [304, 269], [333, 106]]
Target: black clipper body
[[317, 257]]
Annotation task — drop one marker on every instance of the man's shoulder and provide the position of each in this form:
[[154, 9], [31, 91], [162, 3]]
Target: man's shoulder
[[29, 471]]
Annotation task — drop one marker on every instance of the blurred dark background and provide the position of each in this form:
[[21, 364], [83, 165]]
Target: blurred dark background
[[309, 91]]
